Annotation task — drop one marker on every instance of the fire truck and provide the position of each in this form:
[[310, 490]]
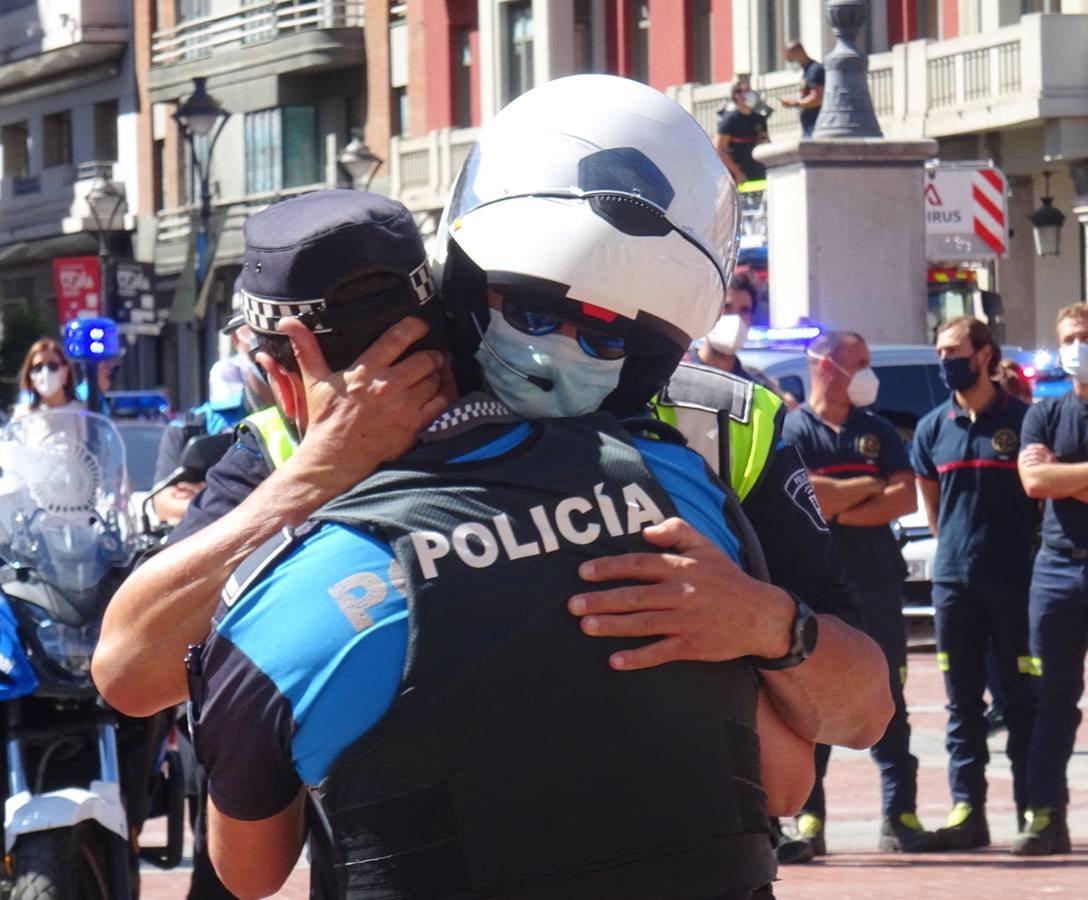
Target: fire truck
[[966, 233]]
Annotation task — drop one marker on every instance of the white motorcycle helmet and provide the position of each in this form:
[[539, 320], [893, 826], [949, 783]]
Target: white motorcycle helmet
[[602, 200]]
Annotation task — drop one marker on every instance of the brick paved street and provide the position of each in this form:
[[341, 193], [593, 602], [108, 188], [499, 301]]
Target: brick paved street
[[854, 871]]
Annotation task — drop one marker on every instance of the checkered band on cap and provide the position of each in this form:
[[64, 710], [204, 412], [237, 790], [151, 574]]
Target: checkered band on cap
[[262, 314], [422, 282]]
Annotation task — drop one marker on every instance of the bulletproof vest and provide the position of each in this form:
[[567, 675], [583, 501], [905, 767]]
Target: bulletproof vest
[[514, 762]]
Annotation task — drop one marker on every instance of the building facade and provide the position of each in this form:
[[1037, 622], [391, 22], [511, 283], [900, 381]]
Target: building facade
[[68, 118], [290, 79]]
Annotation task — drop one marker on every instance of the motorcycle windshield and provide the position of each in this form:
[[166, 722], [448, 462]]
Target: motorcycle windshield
[[64, 498]]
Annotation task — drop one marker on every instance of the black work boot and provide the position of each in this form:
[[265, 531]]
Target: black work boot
[[1045, 832], [966, 828], [808, 843], [905, 834]]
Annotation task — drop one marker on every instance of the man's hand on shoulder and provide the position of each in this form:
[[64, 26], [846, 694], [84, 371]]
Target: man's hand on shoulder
[[368, 414], [693, 597]]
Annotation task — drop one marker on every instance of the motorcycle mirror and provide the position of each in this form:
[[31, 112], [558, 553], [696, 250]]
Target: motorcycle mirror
[[204, 451]]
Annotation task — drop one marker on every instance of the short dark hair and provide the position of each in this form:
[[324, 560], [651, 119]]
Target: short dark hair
[[742, 281], [829, 343], [979, 334]]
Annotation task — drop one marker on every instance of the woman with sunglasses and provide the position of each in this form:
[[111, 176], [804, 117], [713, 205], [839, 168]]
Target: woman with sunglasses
[[46, 378]]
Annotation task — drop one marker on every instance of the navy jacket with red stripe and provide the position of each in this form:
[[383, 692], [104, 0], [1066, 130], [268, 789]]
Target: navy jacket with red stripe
[[865, 444], [986, 522]]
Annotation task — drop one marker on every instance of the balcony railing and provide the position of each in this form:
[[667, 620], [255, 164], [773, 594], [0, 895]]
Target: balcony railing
[[197, 38], [423, 169], [920, 89]]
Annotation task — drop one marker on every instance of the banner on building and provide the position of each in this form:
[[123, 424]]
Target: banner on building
[[78, 283], [966, 212], [133, 304]]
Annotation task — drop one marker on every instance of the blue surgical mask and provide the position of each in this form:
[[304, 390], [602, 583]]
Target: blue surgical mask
[[957, 374], [580, 383]]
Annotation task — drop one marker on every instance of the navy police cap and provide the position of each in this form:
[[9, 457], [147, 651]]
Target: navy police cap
[[298, 251]]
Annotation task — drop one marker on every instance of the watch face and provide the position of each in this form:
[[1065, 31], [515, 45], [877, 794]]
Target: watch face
[[809, 630]]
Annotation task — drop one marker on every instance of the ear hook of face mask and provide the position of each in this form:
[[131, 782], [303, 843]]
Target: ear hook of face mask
[[545, 384]]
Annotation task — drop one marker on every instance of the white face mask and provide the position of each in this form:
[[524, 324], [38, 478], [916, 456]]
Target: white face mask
[[793, 65], [751, 98], [47, 383], [864, 384], [728, 334], [863, 387], [1074, 360]]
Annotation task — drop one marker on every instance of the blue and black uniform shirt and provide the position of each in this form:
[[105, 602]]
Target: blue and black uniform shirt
[[307, 655], [1061, 424], [865, 444], [986, 521]]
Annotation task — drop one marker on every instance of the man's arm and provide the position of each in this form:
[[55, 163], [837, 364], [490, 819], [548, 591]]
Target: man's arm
[[702, 606], [786, 764], [931, 499], [1045, 478], [897, 499], [254, 859], [170, 505], [836, 495], [814, 99], [721, 144], [358, 419]]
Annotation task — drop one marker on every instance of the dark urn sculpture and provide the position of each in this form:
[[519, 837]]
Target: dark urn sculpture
[[847, 110]]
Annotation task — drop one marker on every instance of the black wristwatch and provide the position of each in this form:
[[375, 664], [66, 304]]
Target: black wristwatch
[[803, 634]]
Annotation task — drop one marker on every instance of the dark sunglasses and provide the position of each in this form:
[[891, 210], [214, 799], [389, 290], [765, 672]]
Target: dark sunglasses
[[51, 366], [529, 321]]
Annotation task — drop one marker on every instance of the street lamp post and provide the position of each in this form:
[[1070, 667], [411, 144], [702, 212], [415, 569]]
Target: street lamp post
[[200, 116], [106, 203], [360, 161], [1046, 223]]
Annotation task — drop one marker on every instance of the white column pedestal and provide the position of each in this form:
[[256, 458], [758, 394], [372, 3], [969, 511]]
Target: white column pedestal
[[846, 235]]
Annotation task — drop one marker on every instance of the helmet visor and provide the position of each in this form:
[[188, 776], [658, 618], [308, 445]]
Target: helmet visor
[[621, 184]]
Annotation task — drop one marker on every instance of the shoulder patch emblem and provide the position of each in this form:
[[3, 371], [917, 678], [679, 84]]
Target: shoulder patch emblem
[[1005, 441], [868, 445], [800, 490]]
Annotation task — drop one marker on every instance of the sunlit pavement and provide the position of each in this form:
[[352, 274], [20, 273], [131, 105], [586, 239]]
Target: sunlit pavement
[[853, 870]]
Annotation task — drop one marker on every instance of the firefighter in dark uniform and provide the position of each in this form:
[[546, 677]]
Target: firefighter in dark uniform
[[964, 453], [863, 480], [492, 750], [1054, 467]]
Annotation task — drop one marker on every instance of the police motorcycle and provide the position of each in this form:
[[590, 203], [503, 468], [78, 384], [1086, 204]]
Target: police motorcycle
[[81, 779]]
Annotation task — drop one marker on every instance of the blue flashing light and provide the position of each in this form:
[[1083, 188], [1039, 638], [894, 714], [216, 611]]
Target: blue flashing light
[[92, 340], [797, 335]]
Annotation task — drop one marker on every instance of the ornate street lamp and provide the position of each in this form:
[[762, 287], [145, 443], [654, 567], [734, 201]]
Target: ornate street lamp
[[360, 161], [1046, 224], [201, 116], [106, 203]]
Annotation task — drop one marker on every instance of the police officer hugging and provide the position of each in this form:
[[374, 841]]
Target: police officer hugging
[[513, 761], [498, 725]]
